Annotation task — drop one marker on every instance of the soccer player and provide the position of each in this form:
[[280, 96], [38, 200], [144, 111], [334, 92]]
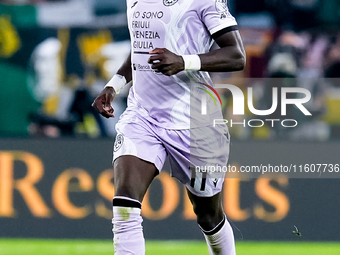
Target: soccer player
[[168, 66]]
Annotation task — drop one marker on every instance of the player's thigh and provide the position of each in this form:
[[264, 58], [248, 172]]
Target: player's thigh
[[137, 137], [132, 176], [200, 162], [138, 156]]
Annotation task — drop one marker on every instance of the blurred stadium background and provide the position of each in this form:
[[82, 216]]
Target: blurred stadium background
[[55, 150]]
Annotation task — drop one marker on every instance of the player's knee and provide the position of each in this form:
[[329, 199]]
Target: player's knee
[[203, 210], [208, 222], [208, 217]]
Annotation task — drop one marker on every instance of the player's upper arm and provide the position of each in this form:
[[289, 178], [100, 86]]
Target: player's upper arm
[[223, 29], [231, 39]]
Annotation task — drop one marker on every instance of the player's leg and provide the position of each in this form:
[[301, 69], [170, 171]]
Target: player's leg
[[203, 146], [208, 210], [138, 157], [214, 224], [132, 177], [209, 146]]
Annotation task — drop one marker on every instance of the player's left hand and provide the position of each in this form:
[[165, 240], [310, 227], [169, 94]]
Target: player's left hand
[[166, 62]]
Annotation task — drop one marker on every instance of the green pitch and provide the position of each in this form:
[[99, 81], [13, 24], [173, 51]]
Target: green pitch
[[91, 247]]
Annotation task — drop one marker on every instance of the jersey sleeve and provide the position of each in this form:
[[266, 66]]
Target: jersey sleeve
[[216, 17]]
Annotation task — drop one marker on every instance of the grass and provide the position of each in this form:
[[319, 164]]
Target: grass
[[87, 247]]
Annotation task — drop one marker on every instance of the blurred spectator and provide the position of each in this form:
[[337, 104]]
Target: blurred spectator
[[332, 61]]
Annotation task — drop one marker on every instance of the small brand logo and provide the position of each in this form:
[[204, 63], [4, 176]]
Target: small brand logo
[[134, 4], [169, 2], [215, 182]]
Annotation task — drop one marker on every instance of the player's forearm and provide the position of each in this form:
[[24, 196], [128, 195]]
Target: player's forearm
[[122, 78], [222, 60], [125, 70]]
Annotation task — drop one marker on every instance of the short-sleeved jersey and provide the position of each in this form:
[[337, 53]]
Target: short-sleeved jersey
[[184, 27]]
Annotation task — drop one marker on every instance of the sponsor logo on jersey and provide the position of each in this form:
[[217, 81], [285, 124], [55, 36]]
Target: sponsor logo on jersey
[[144, 67], [222, 8], [118, 143], [169, 2]]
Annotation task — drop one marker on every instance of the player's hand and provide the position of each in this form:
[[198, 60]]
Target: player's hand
[[103, 102], [166, 62]]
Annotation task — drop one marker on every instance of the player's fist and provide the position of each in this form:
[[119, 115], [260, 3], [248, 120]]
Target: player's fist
[[166, 62], [103, 102]]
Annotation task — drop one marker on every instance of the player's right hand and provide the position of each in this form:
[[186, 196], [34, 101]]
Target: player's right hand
[[103, 102]]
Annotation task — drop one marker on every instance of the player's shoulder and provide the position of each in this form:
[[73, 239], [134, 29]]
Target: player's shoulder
[[218, 7]]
